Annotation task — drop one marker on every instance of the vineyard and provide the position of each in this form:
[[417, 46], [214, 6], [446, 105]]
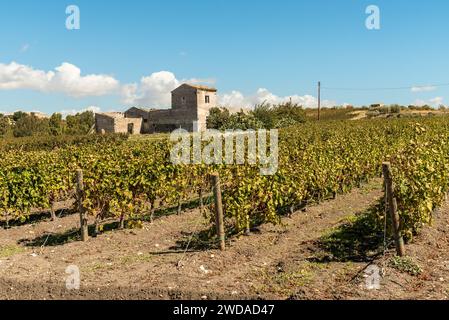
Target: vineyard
[[130, 180]]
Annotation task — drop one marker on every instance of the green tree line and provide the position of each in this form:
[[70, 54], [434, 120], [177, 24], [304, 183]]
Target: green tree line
[[22, 124], [263, 116]]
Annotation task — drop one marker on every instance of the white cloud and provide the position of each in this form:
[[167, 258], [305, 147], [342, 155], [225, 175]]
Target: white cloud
[[237, 99], [423, 89], [66, 79], [17, 76], [234, 98], [437, 101], [152, 91], [155, 90], [434, 102], [129, 93]]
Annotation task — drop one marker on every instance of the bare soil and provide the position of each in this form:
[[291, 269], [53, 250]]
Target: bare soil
[[166, 259], [358, 115]]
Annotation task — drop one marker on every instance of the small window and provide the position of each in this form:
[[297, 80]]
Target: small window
[[145, 120], [183, 100], [207, 99]]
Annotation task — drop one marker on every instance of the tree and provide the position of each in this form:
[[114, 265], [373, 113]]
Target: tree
[[80, 123], [222, 119], [218, 117], [5, 125], [55, 124], [289, 113], [29, 125], [279, 116], [264, 113], [18, 115], [242, 121]]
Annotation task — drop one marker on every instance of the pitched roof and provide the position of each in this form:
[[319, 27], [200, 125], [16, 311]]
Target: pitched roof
[[139, 108], [114, 115], [199, 87]]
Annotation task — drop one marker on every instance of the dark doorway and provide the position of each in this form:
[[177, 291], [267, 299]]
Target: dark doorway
[[131, 128]]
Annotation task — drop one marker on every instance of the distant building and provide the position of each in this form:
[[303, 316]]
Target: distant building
[[38, 115], [116, 122], [190, 108], [376, 106], [139, 113]]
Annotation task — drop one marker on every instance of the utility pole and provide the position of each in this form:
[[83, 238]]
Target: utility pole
[[319, 99]]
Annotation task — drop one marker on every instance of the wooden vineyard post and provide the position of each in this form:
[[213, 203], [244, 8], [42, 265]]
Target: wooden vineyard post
[[81, 209], [200, 194], [6, 213], [215, 180], [393, 209], [179, 210], [52, 211], [248, 226]]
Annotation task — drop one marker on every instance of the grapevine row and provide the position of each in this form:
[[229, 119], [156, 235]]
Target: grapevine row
[[126, 179]]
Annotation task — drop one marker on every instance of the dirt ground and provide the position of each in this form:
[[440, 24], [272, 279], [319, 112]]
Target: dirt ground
[[362, 114], [358, 115], [166, 260]]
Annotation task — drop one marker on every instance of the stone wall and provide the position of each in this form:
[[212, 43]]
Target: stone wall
[[140, 113], [190, 104], [117, 123], [104, 123], [128, 125], [196, 101], [184, 97], [204, 107], [171, 119]]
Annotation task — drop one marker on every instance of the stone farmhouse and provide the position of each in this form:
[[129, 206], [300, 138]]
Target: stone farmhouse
[[189, 109]]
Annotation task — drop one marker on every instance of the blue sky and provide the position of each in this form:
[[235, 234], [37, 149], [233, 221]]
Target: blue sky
[[134, 52]]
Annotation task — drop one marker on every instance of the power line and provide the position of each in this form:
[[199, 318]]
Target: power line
[[389, 88]]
